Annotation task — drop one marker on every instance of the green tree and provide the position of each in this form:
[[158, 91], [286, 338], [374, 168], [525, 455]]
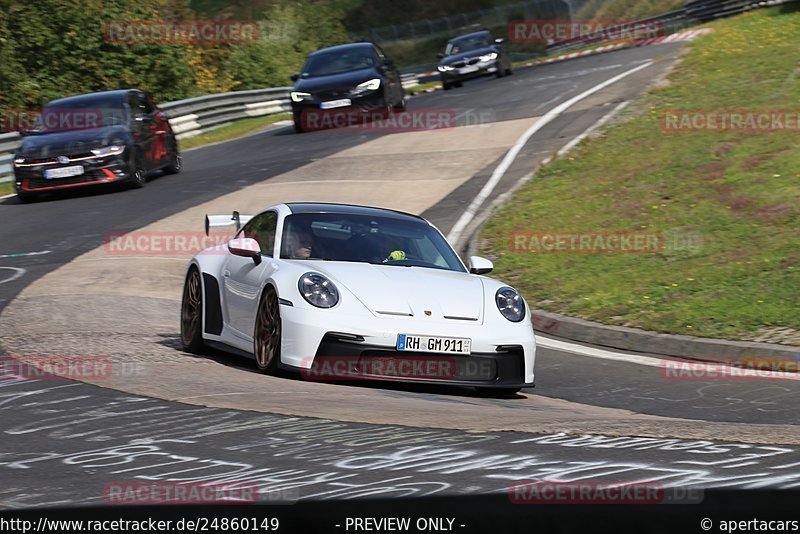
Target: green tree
[[289, 31], [70, 53]]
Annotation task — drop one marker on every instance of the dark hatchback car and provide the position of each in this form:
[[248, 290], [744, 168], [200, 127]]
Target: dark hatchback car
[[356, 77], [96, 138], [473, 55]]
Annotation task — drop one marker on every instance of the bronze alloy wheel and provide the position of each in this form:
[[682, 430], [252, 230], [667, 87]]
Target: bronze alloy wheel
[[267, 338], [191, 313]]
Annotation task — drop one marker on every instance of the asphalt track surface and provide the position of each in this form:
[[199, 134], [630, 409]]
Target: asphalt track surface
[[49, 423]]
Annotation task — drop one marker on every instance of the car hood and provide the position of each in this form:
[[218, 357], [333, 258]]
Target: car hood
[[402, 291], [447, 60], [53, 144], [340, 82]]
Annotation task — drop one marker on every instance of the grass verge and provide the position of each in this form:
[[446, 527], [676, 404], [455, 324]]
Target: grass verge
[[725, 203], [6, 188], [232, 131]]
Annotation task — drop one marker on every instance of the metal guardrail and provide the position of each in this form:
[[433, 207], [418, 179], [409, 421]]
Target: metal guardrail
[[192, 116], [8, 142]]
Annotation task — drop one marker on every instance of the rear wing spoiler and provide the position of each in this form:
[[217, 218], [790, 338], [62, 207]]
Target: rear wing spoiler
[[222, 221]]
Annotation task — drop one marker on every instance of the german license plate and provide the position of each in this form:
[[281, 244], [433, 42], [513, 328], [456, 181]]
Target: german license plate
[[438, 344], [330, 104], [63, 172], [467, 70]]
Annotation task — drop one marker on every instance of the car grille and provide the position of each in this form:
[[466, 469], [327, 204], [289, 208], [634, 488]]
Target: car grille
[[41, 183], [54, 161], [506, 364], [465, 62], [330, 95], [456, 367]]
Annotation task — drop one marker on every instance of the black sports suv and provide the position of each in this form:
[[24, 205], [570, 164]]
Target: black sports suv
[[473, 55], [346, 79], [96, 138]]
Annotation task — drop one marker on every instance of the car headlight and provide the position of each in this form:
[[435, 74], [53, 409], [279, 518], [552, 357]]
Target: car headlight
[[370, 85], [489, 57], [444, 68], [318, 290], [19, 161], [298, 96], [113, 150], [510, 304]]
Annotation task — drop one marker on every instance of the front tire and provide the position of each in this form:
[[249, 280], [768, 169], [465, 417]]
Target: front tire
[[192, 313], [138, 175], [267, 335], [298, 125], [175, 165]]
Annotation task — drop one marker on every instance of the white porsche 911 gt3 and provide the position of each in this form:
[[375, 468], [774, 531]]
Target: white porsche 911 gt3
[[348, 292]]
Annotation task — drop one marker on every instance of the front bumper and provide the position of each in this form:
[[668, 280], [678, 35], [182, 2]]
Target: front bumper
[[31, 178], [363, 109], [340, 359], [356, 347], [484, 68], [371, 101]]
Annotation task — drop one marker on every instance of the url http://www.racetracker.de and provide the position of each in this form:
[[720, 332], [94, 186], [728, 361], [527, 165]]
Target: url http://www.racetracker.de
[[196, 524]]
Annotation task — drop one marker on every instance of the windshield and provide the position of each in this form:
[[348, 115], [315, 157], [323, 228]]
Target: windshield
[[367, 239], [80, 114], [326, 63], [465, 44]]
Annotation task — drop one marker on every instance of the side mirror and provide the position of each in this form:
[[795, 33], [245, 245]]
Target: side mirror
[[440, 55], [478, 265], [388, 61], [294, 77], [246, 247], [499, 41]]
